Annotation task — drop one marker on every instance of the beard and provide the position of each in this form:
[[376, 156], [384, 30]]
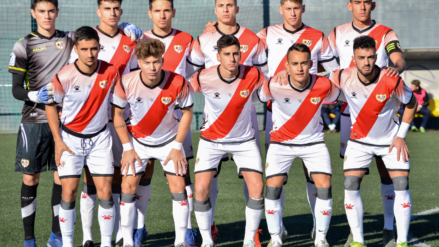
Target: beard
[[366, 74]]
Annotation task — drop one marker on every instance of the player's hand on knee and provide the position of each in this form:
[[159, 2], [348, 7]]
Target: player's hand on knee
[[392, 72], [60, 148], [282, 77], [210, 27], [402, 150], [179, 160], [128, 159]]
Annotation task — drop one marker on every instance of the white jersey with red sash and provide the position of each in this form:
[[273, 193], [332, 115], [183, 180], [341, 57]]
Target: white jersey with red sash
[[152, 121], [227, 108], [373, 106], [85, 96]]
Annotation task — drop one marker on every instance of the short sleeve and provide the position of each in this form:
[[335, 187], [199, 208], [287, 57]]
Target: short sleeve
[[18, 58], [326, 56], [260, 57], [263, 36], [264, 93], [58, 90], [333, 42], [194, 84], [403, 92], [335, 77], [196, 56], [119, 98], [334, 94], [184, 99]]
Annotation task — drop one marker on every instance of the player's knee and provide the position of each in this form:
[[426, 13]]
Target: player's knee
[[401, 183], [128, 188], [89, 189], [352, 183], [201, 191], [105, 192], [324, 193], [69, 195], [273, 193], [106, 203], [31, 180]]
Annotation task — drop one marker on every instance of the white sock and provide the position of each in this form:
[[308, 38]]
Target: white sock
[[117, 229], [144, 196], [403, 210], [388, 194], [127, 216], [354, 213], [87, 208], [274, 218], [213, 197], [311, 192], [245, 188], [190, 201], [203, 212], [281, 210], [253, 215], [323, 218], [180, 211], [67, 220], [106, 220]]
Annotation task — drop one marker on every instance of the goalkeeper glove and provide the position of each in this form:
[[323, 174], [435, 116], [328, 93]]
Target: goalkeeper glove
[[131, 31], [45, 95]]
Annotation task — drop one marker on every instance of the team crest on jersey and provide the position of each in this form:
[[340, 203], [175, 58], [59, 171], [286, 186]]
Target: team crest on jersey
[[166, 100], [315, 101], [103, 84], [178, 48], [60, 45], [127, 48], [245, 93], [25, 163], [244, 48], [307, 42], [381, 97]]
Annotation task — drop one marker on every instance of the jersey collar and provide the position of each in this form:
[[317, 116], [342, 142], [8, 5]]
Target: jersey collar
[[222, 34], [162, 37], [106, 34], [226, 81], [158, 84], [89, 75], [374, 79], [364, 30], [295, 31], [303, 89], [37, 34]]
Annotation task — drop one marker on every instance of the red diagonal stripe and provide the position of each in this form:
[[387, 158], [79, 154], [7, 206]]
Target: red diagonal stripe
[[121, 57], [249, 39], [171, 57]]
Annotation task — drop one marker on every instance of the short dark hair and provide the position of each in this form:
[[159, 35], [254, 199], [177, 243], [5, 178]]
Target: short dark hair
[[364, 42], [86, 33], [226, 41], [416, 83], [152, 1], [295, 1], [236, 2], [35, 2], [149, 48], [100, 1], [300, 48]]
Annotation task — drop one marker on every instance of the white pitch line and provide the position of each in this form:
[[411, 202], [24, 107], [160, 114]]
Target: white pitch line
[[414, 241]]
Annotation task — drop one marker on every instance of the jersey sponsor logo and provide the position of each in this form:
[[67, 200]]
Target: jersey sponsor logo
[[127, 48], [287, 101], [12, 59], [244, 48], [347, 43], [166, 100], [139, 100], [245, 93], [25, 163], [178, 48], [381, 97], [307, 42], [215, 48], [60, 45], [77, 89], [279, 41], [39, 49], [316, 100], [34, 114], [103, 84], [217, 95]]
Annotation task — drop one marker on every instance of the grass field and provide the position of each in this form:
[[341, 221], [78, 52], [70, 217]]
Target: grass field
[[229, 215]]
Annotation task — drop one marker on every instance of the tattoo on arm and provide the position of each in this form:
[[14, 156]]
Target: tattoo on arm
[[120, 126]]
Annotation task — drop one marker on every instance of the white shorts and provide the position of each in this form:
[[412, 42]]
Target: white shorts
[[96, 152], [280, 158], [246, 156], [187, 143], [117, 147], [268, 128], [359, 156], [146, 153], [345, 133]]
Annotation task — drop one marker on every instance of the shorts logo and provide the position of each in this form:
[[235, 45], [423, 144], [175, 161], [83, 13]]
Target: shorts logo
[[25, 163], [197, 161], [342, 145], [12, 59], [245, 93], [271, 211], [60, 45], [381, 97], [315, 101], [127, 48], [103, 84], [166, 100], [178, 48], [349, 206], [267, 165], [62, 164], [326, 213], [244, 48], [307, 42]]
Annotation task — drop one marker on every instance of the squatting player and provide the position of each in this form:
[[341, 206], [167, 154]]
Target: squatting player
[[83, 87], [374, 98], [153, 133], [388, 47], [229, 90], [298, 133]]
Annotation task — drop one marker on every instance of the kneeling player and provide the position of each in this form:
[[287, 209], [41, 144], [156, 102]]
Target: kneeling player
[[298, 133], [153, 133], [374, 99], [229, 90], [84, 87]]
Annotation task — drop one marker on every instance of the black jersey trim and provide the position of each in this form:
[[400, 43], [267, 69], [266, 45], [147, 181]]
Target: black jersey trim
[[80, 71], [339, 77], [303, 89], [345, 114], [198, 78], [327, 60], [162, 74], [397, 83], [409, 100], [297, 145], [83, 136], [122, 108], [224, 80], [39, 35], [187, 107], [191, 63], [260, 65], [106, 34], [368, 144], [205, 139], [335, 32], [365, 30], [222, 34], [121, 84], [295, 31], [374, 79], [162, 37], [155, 146]]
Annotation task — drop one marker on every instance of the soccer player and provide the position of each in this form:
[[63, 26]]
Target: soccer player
[[177, 45], [374, 98], [229, 90], [153, 133], [341, 40], [298, 133], [83, 87], [204, 52]]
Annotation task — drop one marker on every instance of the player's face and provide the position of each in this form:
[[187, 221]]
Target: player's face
[[151, 67], [298, 65], [361, 9], [45, 14], [87, 51], [414, 88], [226, 11], [229, 57], [110, 13], [365, 60], [161, 14], [292, 13]]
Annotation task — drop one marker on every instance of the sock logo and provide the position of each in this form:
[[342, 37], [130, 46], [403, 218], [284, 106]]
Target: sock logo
[[406, 205], [390, 197], [84, 196], [138, 197], [315, 194], [326, 213], [183, 203], [107, 217], [349, 206], [271, 211], [62, 220], [122, 203], [190, 196]]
